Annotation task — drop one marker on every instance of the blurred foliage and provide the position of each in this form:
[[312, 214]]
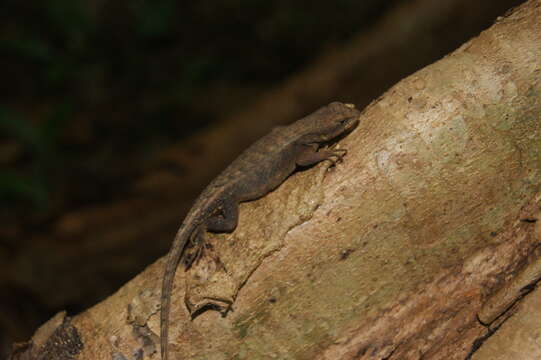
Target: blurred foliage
[[39, 142], [92, 87]]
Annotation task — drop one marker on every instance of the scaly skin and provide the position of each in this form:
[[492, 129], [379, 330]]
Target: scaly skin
[[258, 170]]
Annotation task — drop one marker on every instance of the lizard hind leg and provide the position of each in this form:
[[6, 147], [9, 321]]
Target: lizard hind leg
[[194, 248], [225, 218]]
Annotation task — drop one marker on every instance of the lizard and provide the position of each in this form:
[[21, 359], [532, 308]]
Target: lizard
[[258, 170]]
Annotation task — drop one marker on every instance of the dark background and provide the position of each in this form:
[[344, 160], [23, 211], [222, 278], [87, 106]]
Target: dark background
[[96, 94]]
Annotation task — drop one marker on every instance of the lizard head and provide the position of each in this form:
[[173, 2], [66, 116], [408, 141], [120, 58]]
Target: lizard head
[[329, 122]]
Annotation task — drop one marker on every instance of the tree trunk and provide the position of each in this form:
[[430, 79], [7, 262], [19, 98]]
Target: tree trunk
[[429, 225]]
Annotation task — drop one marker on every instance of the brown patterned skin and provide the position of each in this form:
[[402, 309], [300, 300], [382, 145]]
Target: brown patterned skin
[[258, 170]]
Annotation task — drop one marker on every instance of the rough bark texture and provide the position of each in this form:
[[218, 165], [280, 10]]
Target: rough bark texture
[[107, 239], [392, 254]]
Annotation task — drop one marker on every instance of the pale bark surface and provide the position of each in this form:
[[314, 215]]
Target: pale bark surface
[[86, 251], [391, 254]]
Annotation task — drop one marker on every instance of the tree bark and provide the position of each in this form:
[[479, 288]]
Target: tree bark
[[431, 223]]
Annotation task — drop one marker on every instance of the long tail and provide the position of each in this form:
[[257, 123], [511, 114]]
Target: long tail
[[173, 258]]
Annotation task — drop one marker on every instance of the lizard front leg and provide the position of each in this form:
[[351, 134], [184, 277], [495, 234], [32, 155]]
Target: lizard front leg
[[309, 155]]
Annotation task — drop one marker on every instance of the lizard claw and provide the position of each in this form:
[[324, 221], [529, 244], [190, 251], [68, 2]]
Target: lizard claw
[[336, 155]]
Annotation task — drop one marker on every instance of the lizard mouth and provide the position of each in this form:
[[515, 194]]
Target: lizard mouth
[[352, 122], [349, 124]]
